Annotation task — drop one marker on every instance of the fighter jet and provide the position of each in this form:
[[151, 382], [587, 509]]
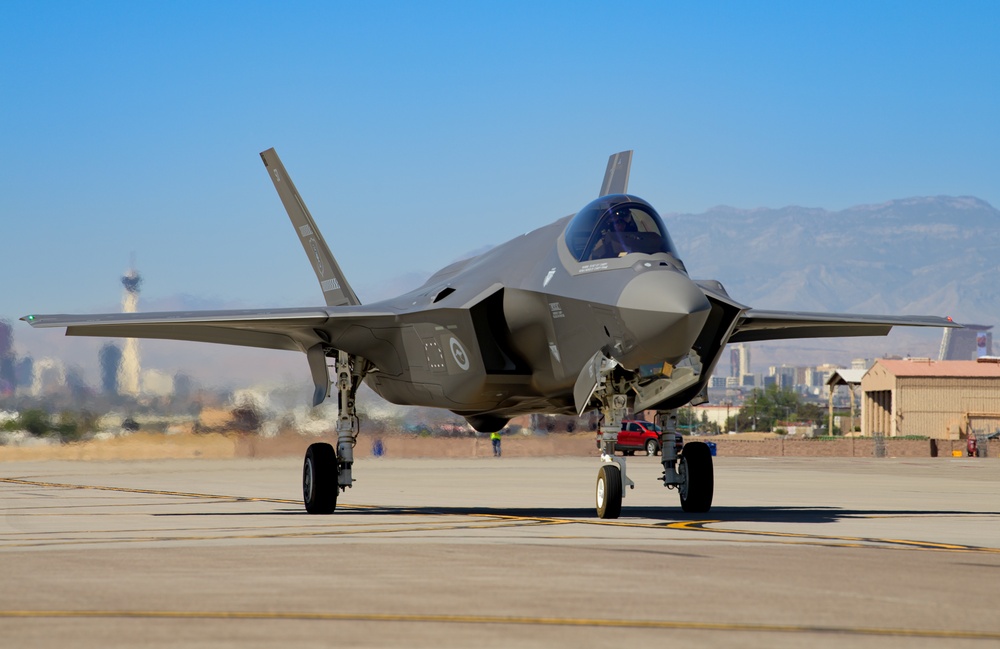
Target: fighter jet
[[593, 311]]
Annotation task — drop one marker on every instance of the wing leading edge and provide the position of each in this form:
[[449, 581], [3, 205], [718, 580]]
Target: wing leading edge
[[754, 324], [299, 329], [313, 331]]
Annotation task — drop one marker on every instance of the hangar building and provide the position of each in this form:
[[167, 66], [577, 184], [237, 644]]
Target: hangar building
[[936, 399]]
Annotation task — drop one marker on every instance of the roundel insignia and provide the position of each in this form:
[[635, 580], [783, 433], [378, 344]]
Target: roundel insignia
[[458, 353]]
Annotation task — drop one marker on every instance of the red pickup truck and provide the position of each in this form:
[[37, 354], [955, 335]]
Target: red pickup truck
[[638, 435]]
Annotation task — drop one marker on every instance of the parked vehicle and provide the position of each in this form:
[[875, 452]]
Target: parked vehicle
[[639, 435]]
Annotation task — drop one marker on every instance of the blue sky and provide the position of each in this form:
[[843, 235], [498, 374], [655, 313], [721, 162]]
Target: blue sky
[[417, 132]]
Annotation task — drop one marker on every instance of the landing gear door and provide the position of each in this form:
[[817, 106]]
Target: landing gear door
[[588, 381]]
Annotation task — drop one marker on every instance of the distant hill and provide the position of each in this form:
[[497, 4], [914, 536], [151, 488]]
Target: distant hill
[[933, 255], [937, 255]]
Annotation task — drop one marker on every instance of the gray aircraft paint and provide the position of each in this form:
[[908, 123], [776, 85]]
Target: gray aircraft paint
[[521, 328]]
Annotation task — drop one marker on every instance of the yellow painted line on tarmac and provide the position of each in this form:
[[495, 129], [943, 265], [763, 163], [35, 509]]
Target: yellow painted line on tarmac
[[152, 492], [371, 529], [848, 541], [690, 526], [506, 620]]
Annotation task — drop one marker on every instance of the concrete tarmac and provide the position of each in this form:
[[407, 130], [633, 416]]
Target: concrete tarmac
[[500, 553]]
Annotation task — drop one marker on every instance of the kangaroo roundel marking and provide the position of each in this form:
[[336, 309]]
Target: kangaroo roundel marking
[[458, 353]]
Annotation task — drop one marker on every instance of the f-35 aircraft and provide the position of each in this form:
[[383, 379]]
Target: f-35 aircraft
[[595, 310]]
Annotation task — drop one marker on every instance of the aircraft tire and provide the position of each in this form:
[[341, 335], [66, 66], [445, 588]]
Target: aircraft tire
[[319, 479], [696, 494], [609, 491]]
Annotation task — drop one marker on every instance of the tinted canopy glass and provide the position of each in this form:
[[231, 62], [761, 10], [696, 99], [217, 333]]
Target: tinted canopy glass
[[614, 226]]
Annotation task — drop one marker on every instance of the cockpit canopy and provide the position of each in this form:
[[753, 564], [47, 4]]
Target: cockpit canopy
[[614, 226]]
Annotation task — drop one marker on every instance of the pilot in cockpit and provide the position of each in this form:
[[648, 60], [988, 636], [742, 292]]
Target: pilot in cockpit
[[613, 241]]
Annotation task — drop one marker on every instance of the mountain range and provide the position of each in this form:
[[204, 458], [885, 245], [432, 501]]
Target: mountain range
[[928, 255], [925, 256]]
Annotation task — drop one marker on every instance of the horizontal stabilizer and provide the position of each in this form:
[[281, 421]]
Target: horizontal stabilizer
[[336, 290]]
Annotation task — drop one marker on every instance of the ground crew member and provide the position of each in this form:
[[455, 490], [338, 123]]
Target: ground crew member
[[495, 438]]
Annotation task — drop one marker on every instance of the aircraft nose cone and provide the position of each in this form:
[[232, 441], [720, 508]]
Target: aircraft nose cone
[[663, 311]]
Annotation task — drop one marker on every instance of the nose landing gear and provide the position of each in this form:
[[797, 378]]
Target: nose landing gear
[[612, 478], [689, 470]]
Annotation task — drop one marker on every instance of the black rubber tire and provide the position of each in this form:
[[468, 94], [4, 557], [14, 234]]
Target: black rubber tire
[[652, 448], [700, 478], [609, 491], [319, 479]]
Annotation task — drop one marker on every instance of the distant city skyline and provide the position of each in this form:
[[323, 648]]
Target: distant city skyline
[[418, 133]]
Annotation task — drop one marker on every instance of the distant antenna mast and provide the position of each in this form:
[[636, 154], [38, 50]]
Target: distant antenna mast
[[128, 373]]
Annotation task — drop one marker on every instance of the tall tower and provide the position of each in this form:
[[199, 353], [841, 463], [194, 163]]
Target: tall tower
[[744, 359], [128, 373]]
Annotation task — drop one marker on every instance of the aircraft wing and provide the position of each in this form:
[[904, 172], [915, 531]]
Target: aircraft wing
[[271, 329], [314, 331], [755, 324]]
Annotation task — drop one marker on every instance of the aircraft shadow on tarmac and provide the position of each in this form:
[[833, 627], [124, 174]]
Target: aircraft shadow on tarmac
[[806, 515]]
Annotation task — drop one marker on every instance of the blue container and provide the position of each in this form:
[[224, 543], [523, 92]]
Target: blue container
[[711, 447]]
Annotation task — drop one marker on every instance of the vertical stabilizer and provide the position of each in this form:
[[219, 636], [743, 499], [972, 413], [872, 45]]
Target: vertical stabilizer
[[335, 288], [616, 176]]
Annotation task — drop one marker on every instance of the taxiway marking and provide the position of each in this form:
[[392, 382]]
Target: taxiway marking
[[498, 520], [505, 620]]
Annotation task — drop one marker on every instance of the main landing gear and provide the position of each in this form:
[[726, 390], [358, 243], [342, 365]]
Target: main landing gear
[[327, 471], [690, 471]]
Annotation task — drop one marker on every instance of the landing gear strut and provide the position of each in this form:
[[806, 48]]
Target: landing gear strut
[[612, 478], [326, 470]]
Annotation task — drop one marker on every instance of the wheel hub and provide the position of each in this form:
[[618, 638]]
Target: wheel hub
[[682, 473], [307, 481]]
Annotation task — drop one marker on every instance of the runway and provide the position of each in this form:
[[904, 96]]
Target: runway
[[508, 552]]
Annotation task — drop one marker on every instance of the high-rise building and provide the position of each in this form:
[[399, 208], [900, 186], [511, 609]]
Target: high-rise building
[[128, 376], [49, 375], [110, 358], [744, 351], [966, 344], [24, 372], [8, 378]]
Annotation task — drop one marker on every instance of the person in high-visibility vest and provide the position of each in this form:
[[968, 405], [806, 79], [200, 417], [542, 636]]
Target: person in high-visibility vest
[[495, 438]]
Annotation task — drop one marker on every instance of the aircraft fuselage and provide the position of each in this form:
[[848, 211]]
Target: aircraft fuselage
[[510, 331]]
